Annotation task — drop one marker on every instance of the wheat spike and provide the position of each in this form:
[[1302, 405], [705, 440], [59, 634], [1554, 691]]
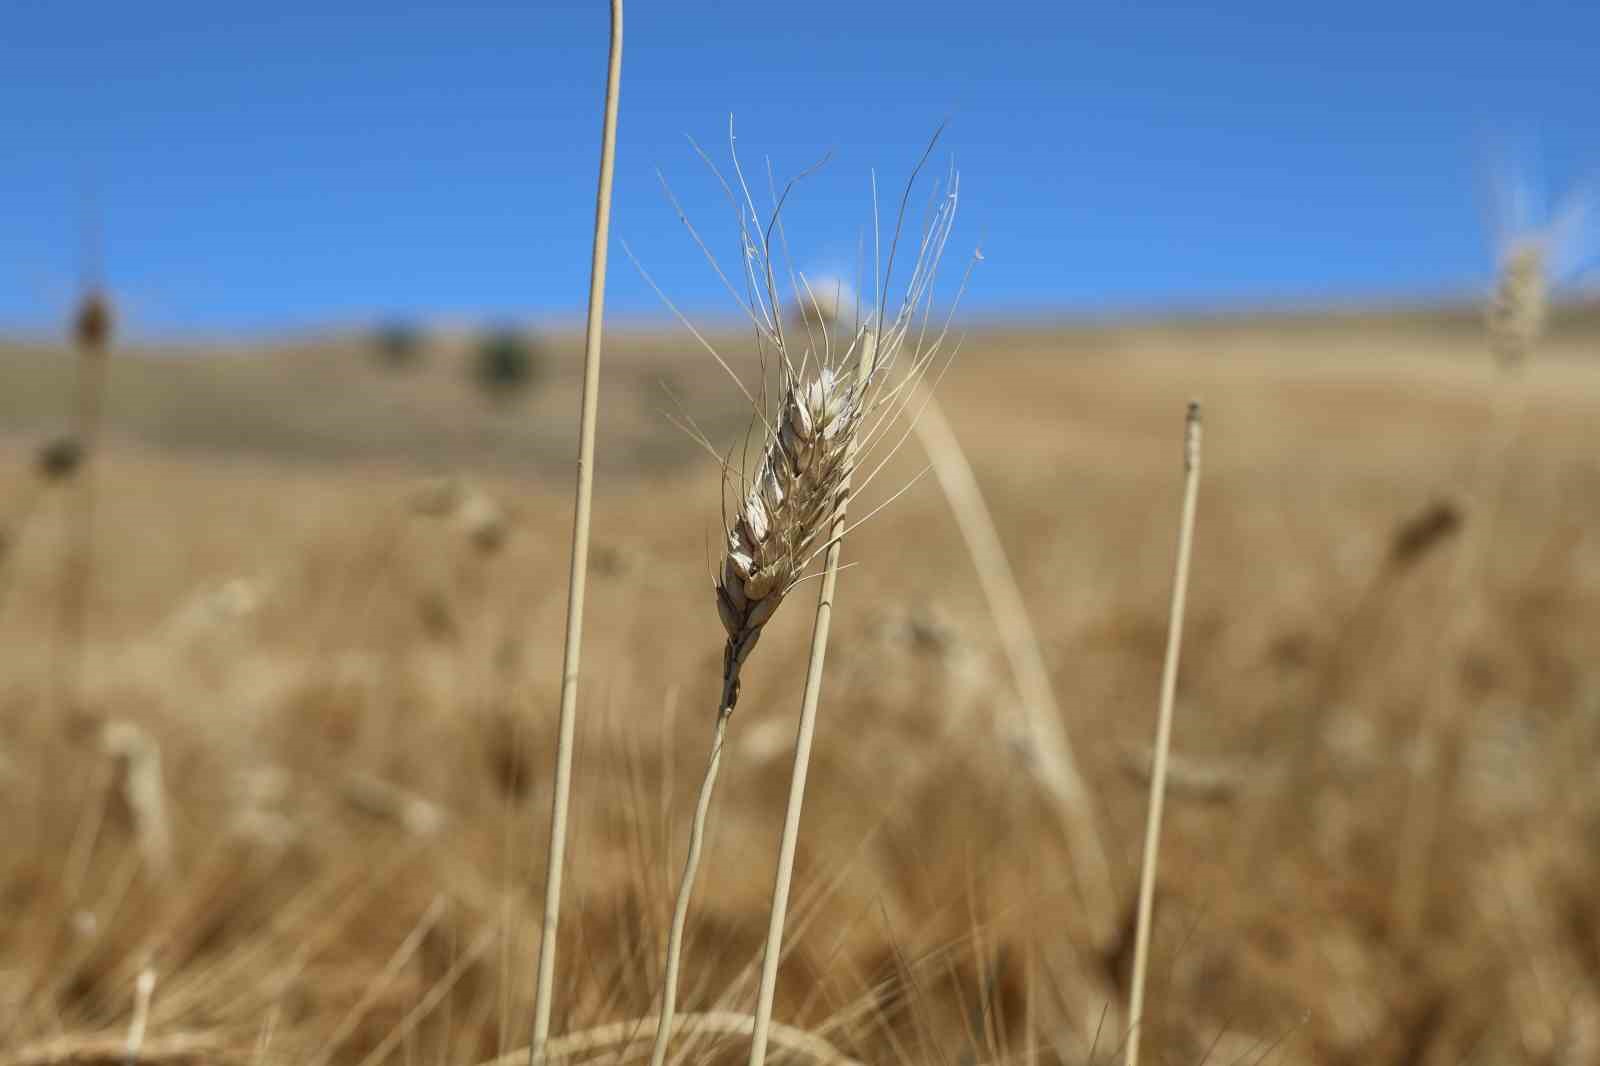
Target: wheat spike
[[785, 514], [836, 401]]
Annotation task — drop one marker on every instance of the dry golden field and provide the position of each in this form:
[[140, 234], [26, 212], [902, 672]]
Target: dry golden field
[[303, 779]]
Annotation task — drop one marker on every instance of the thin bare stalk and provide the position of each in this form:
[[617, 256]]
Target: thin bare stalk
[[144, 990], [1052, 753], [1158, 774], [802, 760], [175, 1049], [691, 867], [92, 336], [1516, 320], [1444, 708], [578, 575]]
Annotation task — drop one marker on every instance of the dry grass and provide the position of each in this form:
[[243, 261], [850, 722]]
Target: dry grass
[[279, 627]]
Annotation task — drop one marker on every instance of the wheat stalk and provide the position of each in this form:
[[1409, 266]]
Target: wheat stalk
[[1051, 752], [835, 403], [144, 989], [1158, 771], [1515, 320], [578, 575], [1532, 262], [803, 738], [180, 1049], [796, 499], [91, 331]]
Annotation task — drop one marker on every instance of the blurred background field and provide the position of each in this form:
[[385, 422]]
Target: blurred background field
[[283, 570], [328, 594]]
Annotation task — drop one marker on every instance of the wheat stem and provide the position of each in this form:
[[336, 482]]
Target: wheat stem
[[92, 335], [144, 990], [1515, 320], [1053, 758], [802, 754], [1158, 774], [578, 575], [691, 866], [1432, 781]]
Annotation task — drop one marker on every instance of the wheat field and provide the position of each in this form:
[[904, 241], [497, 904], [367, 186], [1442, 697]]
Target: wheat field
[[301, 783]]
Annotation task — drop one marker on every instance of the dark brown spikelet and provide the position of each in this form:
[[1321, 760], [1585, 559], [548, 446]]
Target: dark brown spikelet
[[1420, 534], [91, 328], [58, 459]]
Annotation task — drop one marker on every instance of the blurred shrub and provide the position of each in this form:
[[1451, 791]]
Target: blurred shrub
[[507, 362], [400, 345]]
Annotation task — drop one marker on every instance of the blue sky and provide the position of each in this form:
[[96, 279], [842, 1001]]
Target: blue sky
[[289, 165]]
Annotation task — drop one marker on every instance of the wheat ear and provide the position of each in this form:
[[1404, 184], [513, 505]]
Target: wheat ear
[[1158, 772], [835, 404], [578, 575]]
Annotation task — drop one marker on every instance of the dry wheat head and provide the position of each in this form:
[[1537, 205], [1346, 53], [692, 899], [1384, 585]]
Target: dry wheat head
[[835, 399], [785, 514], [1521, 299]]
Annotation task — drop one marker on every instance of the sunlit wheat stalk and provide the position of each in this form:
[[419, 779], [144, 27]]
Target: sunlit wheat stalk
[[836, 401], [173, 1049], [802, 747], [1532, 262], [1515, 322], [144, 991], [1050, 754], [1158, 773], [797, 500], [578, 575]]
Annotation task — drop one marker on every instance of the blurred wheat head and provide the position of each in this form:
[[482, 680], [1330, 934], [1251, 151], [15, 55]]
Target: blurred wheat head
[[1537, 252]]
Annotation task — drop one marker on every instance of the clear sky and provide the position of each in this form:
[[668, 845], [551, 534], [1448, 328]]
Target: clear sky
[[292, 164]]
